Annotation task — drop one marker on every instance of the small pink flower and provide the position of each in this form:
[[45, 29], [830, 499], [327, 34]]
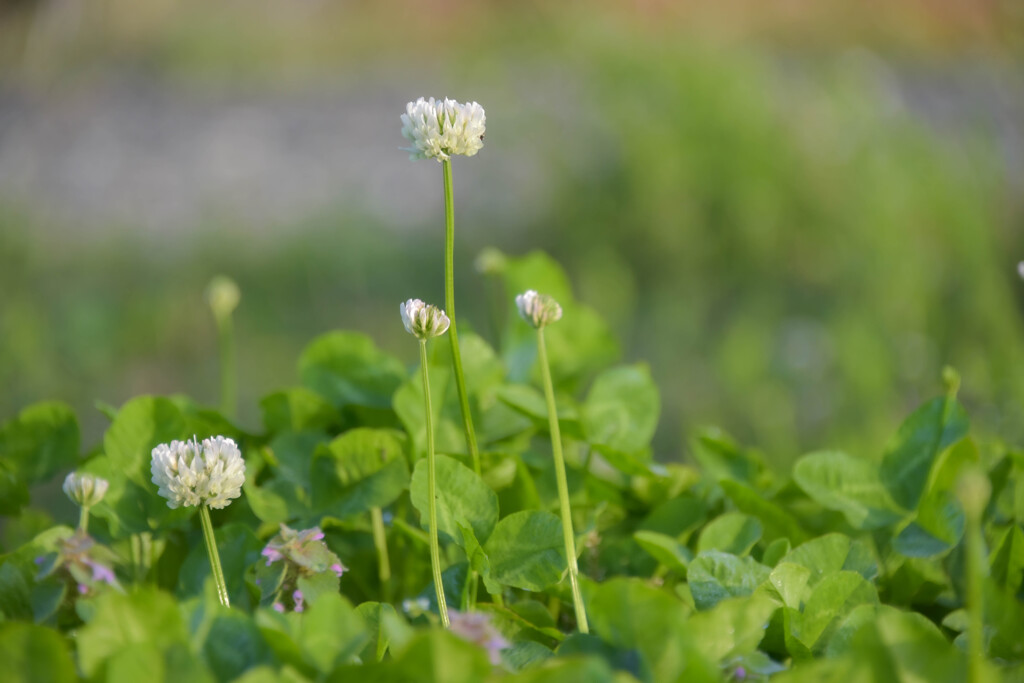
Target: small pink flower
[[272, 555], [476, 627], [101, 572], [304, 550]]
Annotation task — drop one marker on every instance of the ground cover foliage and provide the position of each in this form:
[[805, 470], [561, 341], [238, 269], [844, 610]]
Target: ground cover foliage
[[845, 568]]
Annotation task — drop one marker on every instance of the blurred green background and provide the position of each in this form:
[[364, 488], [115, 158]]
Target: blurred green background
[[796, 212]]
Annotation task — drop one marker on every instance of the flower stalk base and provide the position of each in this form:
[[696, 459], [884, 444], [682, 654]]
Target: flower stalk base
[[449, 304], [435, 549], [211, 549], [563, 486]]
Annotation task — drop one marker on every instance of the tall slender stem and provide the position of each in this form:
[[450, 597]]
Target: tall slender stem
[[83, 519], [228, 379], [435, 550], [563, 486], [380, 540], [975, 600], [449, 305], [211, 549]]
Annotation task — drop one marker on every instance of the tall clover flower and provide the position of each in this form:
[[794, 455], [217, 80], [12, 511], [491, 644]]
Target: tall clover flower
[[439, 129], [85, 490], [207, 474], [540, 310], [423, 322]]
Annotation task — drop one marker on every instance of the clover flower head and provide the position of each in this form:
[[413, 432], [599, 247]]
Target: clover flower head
[[539, 310], [192, 473], [85, 490], [223, 296], [304, 550], [439, 129], [423, 321], [1020, 269], [476, 627]]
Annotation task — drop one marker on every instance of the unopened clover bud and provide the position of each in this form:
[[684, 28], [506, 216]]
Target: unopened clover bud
[[438, 129], [951, 380], [223, 296], [490, 261], [539, 310], [85, 490], [973, 490], [190, 473], [423, 321]]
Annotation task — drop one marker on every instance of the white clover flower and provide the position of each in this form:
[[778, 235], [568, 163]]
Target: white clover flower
[[85, 490], [192, 473], [438, 129], [423, 321], [1020, 269], [539, 310]]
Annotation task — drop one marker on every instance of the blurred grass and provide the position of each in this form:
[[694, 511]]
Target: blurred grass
[[793, 251]]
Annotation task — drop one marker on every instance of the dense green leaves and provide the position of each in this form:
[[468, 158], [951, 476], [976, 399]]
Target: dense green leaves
[[349, 370], [33, 654], [831, 553], [140, 425], [908, 460], [526, 550], [714, 576], [849, 485], [463, 499], [35, 445], [361, 469], [732, 532], [297, 410], [145, 618], [722, 571], [938, 527], [621, 409]]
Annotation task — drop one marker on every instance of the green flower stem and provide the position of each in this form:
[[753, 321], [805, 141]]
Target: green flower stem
[[380, 540], [435, 550], [211, 549], [449, 305], [228, 378], [975, 601], [563, 486], [142, 554], [83, 519]]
